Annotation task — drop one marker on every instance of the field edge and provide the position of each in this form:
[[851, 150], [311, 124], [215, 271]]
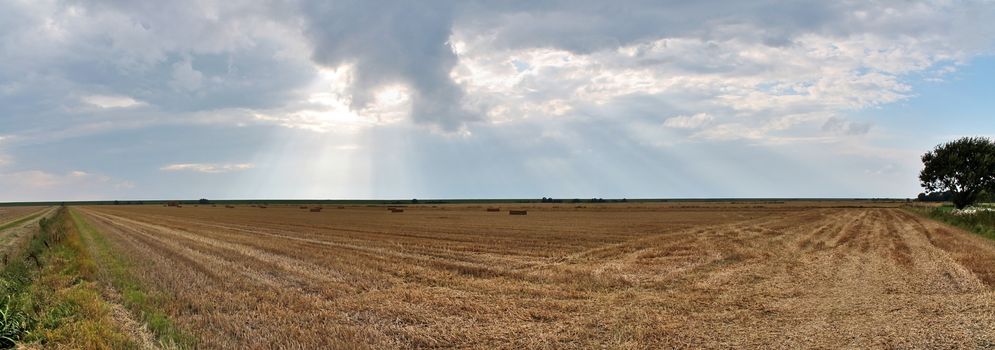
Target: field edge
[[145, 305]]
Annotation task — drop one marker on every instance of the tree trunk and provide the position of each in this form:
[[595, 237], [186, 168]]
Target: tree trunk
[[963, 199]]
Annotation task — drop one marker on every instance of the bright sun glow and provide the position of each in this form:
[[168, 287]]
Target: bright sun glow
[[329, 106]]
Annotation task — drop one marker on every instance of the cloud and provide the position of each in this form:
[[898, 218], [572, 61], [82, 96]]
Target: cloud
[[327, 107], [185, 77], [840, 126], [758, 68], [759, 87], [469, 64], [75, 185], [207, 167], [347, 147], [883, 170], [105, 101], [390, 43], [5, 158], [688, 122], [182, 59]]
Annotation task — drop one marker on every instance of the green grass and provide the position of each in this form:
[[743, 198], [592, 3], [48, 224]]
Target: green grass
[[145, 303], [982, 223], [16, 279], [51, 298], [13, 324]]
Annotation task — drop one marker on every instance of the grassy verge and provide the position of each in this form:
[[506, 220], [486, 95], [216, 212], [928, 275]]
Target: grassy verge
[[982, 222], [51, 297], [148, 305]]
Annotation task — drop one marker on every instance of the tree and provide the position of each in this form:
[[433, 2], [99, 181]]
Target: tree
[[944, 196], [965, 168]]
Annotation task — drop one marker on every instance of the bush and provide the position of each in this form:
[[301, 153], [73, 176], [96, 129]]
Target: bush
[[981, 222]]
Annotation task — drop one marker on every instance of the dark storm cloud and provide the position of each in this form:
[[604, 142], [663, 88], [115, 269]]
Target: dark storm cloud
[[392, 42]]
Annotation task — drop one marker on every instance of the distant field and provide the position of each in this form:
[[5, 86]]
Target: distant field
[[10, 214], [15, 223], [798, 274]]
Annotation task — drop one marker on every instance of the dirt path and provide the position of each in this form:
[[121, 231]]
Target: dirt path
[[814, 277]]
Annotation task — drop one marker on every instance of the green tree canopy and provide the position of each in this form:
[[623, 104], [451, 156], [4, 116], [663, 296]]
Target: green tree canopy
[[965, 168]]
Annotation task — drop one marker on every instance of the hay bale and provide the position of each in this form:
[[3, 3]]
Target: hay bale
[[518, 212], [396, 210], [303, 207], [315, 210], [493, 209], [230, 206]]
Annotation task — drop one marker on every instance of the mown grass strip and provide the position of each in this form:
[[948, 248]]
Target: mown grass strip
[[20, 220], [981, 223], [51, 298], [146, 304]]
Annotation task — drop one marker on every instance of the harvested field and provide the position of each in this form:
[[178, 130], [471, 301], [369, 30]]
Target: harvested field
[[9, 214], [616, 275], [16, 225]]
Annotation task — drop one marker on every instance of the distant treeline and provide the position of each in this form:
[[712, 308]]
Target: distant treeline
[[578, 200]]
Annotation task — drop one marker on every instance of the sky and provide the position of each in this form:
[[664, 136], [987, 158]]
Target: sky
[[112, 99]]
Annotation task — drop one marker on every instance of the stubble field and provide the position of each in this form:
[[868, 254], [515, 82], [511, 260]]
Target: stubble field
[[16, 225], [599, 276]]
